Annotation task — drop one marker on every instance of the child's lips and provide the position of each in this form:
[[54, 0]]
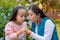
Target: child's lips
[[22, 21]]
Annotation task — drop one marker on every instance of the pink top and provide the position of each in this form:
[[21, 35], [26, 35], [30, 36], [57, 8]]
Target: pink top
[[10, 31]]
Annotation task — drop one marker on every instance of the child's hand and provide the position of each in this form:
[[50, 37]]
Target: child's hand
[[22, 30], [28, 32]]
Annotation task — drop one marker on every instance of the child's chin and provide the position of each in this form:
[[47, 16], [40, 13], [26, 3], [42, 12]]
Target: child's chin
[[22, 22]]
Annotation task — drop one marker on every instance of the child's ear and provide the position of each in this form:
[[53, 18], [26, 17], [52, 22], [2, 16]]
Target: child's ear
[[38, 15]]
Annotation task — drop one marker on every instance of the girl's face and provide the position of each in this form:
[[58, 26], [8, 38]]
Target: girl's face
[[32, 16], [21, 15]]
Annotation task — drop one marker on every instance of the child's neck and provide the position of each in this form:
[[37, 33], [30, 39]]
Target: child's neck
[[39, 21], [18, 23]]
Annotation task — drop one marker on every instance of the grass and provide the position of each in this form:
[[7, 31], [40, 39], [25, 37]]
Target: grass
[[58, 29]]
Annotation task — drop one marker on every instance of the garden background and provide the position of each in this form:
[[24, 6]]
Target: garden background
[[50, 7]]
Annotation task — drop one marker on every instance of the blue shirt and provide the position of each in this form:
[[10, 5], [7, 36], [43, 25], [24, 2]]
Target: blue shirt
[[41, 28]]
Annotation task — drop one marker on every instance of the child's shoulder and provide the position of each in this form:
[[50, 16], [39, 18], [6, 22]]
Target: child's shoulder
[[9, 26], [9, 23]]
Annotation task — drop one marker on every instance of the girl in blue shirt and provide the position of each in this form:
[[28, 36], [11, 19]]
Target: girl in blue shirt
[[43, 28]]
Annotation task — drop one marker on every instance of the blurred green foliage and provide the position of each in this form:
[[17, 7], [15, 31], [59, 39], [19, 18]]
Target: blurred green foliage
[[57, 20], [6, 9]]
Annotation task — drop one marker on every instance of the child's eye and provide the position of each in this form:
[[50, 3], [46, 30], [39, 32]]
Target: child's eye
[[22, 16], [30, 14]]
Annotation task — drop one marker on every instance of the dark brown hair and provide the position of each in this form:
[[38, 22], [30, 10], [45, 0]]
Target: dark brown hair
[[37, 11], [15, 12]]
